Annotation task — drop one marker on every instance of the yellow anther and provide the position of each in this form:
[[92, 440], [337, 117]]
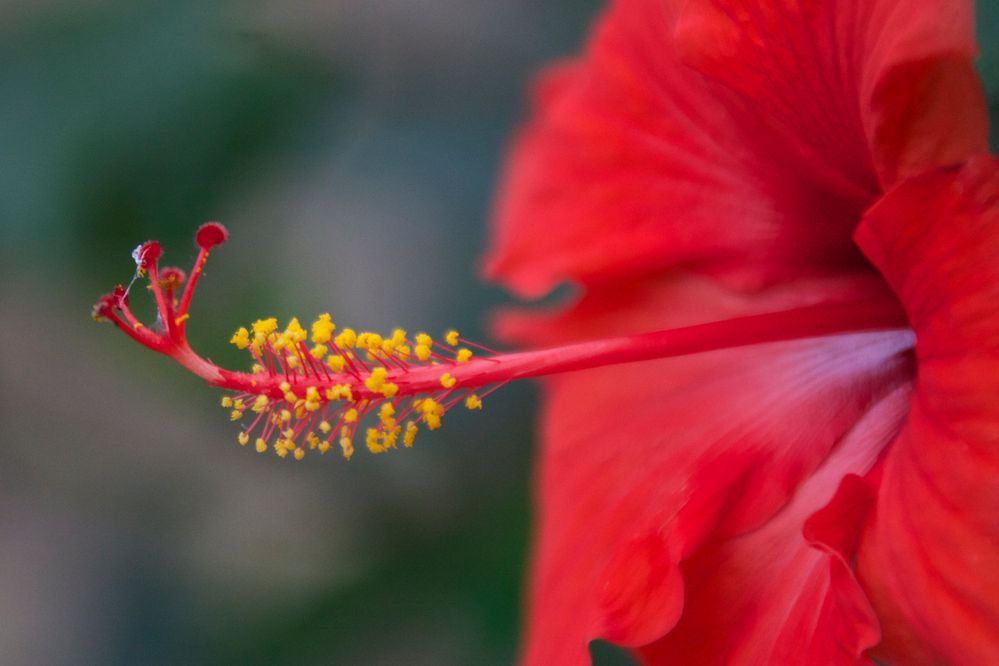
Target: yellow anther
[[293, 362], [336, 363], [312, 394], [424, 340], [322, 329], [347, 447], [324, 446], [386, 410], [388, 346], [285, 416], [390, 436], [403, 352], [473, 402], [260, 403], [447, 381], [226, 401], [299, 453], [311, 406], [389, 390], [284, 386], [374, 343], [235, 415], [238, 404], [319, 351], [300, 409], [282, 452], [422, 352], [184, 317], [290, 396], [410, 436], [399, 336], [376, 379], [371, 441], [312, 440], [288, 433], [261, 445], [350, 416], [463, 355], [452, 337], [265, 326], [294, 332], [346, 339], [325, 427], [432, 412], [243, 438], [339, 392]]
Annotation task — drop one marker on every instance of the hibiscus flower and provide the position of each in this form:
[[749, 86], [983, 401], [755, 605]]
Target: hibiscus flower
[[801, 192], [814, 500]]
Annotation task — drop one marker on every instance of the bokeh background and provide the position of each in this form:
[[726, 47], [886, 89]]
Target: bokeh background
[[351, 147]]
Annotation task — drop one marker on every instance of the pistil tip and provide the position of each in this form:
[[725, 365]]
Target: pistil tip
[[146, 254], [210, 234]]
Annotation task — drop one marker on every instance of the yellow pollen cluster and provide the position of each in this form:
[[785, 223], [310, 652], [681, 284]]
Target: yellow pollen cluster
[[322, 329], [376, 383], [313, 388]]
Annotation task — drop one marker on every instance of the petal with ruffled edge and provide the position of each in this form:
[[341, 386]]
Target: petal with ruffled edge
[[648, 467], [929, 555], [771, 596]]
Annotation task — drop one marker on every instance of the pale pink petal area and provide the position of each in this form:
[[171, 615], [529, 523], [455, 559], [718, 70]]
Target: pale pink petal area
[[650, 468], [929, 556]]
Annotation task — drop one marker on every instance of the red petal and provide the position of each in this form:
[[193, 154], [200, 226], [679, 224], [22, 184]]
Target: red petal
[[759, 170], [927, 113], [929, 556], [838, 76], [650, 472], [634, 162]]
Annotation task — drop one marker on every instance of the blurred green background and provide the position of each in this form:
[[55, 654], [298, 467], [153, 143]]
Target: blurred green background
[[351, 148]]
